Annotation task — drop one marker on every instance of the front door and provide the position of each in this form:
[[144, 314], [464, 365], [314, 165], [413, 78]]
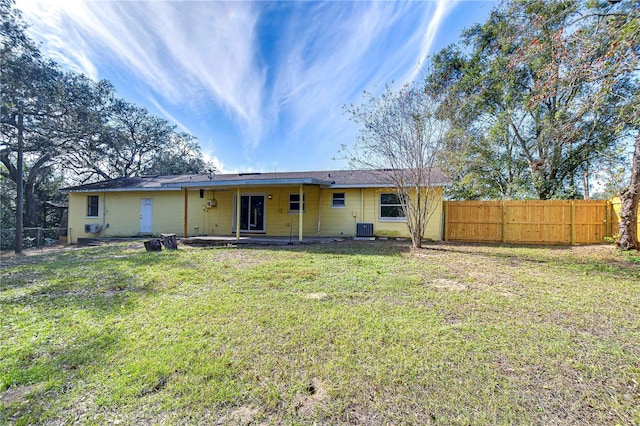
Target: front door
[[251, 213], [146, 213]]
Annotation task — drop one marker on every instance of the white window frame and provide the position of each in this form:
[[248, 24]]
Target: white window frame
[[304, 202], [388, 218], [334, 199], [97, 206]]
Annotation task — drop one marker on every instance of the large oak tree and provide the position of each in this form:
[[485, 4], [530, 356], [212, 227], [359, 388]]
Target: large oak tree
[[53, 121], [528, 113]]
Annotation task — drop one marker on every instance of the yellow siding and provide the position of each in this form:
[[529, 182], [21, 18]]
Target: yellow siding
[[384, 228], [119, 213], [340, 221]]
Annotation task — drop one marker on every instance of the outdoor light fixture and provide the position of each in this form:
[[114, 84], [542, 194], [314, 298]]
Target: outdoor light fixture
[[269, 196]]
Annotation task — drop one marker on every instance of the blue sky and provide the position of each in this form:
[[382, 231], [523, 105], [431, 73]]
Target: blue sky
[[262, 85]]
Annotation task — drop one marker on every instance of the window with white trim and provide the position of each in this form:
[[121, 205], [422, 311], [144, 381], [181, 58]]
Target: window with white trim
[[391, 208], [294, 203], [338, 200], [92, 206]]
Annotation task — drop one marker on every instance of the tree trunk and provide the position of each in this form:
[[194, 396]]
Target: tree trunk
[[629, 209], [31, 200], [30, 205], [19, 183]]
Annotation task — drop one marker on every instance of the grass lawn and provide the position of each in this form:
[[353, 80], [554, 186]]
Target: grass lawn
[[344, 333]]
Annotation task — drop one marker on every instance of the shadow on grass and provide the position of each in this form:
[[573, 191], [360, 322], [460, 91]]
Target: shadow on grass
[[39, 375], [346, 247], [554, 255], [57, 315]]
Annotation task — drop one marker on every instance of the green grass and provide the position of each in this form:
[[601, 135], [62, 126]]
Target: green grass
[[364, 333]]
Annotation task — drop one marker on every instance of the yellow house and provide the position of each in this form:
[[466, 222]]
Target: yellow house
[[300, 204]]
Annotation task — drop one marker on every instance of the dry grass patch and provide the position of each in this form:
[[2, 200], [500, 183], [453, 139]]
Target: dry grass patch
[[345, 333]]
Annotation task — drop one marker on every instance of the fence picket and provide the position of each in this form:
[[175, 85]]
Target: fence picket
[[531, 221]]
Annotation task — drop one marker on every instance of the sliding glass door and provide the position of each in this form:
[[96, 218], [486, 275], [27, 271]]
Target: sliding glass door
[[251, 213]]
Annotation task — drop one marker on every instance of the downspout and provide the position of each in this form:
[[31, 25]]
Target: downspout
[[104, 210], [300, 213]]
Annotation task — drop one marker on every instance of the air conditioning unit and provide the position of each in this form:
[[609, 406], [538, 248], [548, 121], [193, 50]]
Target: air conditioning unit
[[364, 229], [92, 228]]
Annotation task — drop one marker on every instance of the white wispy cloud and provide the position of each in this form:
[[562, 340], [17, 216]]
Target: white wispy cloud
[[442, 9], [190, 55], [367, 45], [198, 54], [169, 115], [47, 24]]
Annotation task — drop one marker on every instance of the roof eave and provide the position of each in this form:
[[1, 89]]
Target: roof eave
[[123, 189], [248, 182]]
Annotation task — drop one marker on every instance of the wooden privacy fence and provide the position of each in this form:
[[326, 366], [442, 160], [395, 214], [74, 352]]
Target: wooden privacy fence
[[532, 222]]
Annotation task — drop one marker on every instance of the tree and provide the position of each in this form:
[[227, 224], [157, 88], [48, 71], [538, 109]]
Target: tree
[[54, 120], [604, 56], [129, 141], [629, 198], [181, 156], [615, 42], [513, 84], [30, 89], [402, 139]]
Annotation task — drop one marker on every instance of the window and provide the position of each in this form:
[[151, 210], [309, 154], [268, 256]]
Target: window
[[294, 203], [391, 208], [338, 199], [92, 206]]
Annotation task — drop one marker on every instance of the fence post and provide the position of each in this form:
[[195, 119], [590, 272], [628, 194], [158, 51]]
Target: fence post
[[572, 218], [39, 238], [446, 221], [503, 215], [609, 218]]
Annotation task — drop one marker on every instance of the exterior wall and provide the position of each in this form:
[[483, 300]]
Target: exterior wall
[[119, 213], [361, 205], [386, 228]]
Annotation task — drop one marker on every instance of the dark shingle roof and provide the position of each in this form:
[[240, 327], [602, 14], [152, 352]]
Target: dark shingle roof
[[333, 178]]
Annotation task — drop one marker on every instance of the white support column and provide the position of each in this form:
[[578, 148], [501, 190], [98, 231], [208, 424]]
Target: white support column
[[319, 209], [300, 213], [238, 214], [186, 213]]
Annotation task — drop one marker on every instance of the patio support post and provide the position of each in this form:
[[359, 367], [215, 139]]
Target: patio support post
[[300, 213], [319, 209], [186, 210], [238, 213]]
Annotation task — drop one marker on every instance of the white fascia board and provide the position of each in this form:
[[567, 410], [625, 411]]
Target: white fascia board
[[129, 189], [371, 185], [367, 185]]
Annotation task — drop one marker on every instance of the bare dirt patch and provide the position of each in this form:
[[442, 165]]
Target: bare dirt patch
[[240, 416], [316, 399], [449, 284], [316, 296], [17, 394]]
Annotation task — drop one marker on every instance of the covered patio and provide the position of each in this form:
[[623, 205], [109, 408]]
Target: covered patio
[[255, 240]]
